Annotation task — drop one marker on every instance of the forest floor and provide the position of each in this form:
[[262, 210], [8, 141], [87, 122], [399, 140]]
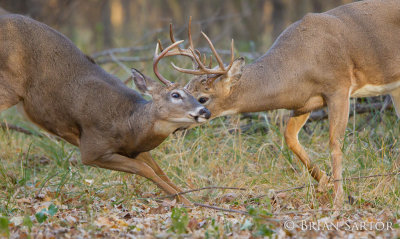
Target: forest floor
[[46, 192]]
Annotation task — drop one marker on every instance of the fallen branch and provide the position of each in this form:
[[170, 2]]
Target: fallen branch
[[123, 59], [359, 109], [121, 50], [315, 116], [6, 126], [311, 211], [345, 179]]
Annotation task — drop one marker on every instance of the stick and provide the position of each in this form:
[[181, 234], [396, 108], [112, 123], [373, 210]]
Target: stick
[[123, 59], [311, 211], [221, 209], [7, 126], [345, 179]]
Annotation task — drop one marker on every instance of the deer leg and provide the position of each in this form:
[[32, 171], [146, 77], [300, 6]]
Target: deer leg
[[291, 136], [338, 107], [148, 159], [124, 164], [396, 100]]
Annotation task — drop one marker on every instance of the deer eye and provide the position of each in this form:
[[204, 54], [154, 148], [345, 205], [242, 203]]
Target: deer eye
[[203, 100], [176, 95]]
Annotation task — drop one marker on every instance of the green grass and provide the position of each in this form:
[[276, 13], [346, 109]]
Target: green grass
[[46, 171]]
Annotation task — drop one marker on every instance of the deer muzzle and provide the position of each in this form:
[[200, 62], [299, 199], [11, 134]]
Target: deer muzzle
[[201, 114]]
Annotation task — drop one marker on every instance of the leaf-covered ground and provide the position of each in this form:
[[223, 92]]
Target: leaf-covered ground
[[47, 193]]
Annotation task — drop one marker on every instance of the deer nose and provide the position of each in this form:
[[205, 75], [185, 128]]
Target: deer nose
[[205, 113]]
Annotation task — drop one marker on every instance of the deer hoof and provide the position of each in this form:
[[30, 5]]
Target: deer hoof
[[325, 183]]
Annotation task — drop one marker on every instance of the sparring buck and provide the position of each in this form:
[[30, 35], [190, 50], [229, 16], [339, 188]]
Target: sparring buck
[[67, 94], [322, 60]]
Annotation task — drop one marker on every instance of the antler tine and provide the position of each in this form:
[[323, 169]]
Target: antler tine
[[220, 62], [198, 53], [160, 45], [204, 69], [192, 72], [232, 57], [171, 33], [157, 58], [190, 33], [198, 58]]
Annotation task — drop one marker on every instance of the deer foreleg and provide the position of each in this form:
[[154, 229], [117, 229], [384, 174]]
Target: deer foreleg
[[148, 159], [338, 106], [396, 100]]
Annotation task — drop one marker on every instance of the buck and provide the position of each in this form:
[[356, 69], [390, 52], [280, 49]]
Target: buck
[[322, 60], [67, 94]]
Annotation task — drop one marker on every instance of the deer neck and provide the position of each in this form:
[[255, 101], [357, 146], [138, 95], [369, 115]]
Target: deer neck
[[267, 84], [153, 130]]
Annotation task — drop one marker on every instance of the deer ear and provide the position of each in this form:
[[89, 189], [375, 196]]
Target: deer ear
[[233, 75], [236, 70], [143, 83]]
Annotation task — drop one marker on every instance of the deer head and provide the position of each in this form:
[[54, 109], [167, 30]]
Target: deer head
[[172, 102], [214, 91], [211, 86]]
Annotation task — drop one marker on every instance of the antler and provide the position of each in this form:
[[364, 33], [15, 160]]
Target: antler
[[169, 52], [194, 54], [196, 57], [157, 58]]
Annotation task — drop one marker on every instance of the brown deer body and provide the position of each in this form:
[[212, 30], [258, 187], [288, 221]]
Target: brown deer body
[[322, 60], [64, 92]]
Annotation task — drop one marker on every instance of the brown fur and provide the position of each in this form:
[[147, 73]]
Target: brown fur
[[318, 61], [67, 94]]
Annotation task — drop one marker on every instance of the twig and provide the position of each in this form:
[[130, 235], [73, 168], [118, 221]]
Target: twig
[[311, 211], [7, 126], [345, 179], [359, 109], [120, 64], [123, 59], [369, 176], [121, 50], [44, 184], [315, 116]]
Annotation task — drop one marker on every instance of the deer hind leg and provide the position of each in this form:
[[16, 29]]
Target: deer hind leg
[[291, 136], [148, 159], [338, 107], [129, 165], [396, 102]]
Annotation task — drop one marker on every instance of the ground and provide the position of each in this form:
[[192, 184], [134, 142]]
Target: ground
[[46, 192]]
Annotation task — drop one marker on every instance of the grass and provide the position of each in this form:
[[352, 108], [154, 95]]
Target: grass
[[43, 173]]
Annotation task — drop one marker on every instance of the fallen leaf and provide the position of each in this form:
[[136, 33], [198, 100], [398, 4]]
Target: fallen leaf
[[193, 224]]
